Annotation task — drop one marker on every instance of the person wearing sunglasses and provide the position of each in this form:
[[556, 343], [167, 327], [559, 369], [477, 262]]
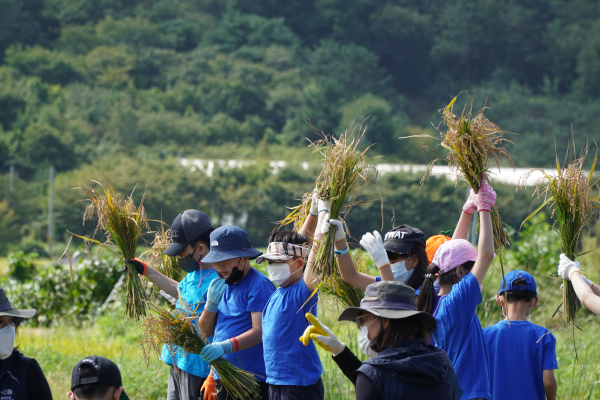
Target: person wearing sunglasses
[[395, 335]]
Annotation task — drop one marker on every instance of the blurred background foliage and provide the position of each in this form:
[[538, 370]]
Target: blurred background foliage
[[123, 89]]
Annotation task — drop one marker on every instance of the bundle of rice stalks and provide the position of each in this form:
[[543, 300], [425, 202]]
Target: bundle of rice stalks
[[344, 175], [176, 330], [568, 195], [346, 294], [123, 224], [297, 214], [471, 141], [163, 263]]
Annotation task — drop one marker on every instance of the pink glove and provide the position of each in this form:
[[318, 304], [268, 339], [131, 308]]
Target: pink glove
[[470, 207], [486, 198]]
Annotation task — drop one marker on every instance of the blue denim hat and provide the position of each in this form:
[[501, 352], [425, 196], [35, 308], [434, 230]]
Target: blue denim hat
[[229, 242], [514, 275]]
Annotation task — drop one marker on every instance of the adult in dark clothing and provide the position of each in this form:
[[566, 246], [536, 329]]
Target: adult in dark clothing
[[21, 378], [395, 335]]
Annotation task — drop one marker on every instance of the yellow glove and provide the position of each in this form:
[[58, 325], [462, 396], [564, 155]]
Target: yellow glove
[[320, 334]]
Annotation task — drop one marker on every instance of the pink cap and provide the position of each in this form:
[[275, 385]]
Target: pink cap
[[453, 253]]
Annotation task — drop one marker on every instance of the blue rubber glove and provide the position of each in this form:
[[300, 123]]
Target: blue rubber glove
[[214, 294], [215, 350]]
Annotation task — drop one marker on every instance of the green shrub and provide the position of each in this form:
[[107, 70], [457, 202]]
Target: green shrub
[[21, 266], [59, 301], [538, 246]]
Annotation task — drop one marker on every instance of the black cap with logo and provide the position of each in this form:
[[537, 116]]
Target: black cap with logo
[[106, 373], [401, 239], [187, 226]]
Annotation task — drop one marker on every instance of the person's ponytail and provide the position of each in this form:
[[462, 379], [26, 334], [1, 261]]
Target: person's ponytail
[[427, 293]]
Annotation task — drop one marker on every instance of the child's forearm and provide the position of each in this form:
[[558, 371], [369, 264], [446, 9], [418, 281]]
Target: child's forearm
[[550, 385], [587, 295], [207, 323], [486, 247], [168, 285], [308, 227], [252, 336], [348, 271], [462, 227]]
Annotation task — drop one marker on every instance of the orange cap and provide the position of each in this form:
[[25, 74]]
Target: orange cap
[[433, 243]]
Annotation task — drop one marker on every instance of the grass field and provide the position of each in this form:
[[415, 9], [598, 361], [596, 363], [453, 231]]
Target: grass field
[[113, 336]]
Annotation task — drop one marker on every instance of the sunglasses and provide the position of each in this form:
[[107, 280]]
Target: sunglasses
[[360, 322]]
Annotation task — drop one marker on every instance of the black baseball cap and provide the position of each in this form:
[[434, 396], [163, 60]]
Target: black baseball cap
[[107, 373], [187, 226], [401, 239]]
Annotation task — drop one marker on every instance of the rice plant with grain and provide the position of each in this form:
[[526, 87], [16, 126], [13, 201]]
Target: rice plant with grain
[[473, 142], [163, 263], [345, 173], [568, 194], [176, 329], [123, 223]]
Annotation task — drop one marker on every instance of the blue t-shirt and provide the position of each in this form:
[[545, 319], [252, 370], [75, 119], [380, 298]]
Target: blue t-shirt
[[287, 360], [193, 290], [517, 355], [248, 295], [459, 333]]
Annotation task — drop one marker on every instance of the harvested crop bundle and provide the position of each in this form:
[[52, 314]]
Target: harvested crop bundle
[[163, 263], [345, 173], [471, 141], [346, 294], [568, 195], [123, 224], [175, 329]]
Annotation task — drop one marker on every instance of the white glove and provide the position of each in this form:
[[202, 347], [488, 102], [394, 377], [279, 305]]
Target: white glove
[[337, 225], [167, 296], [322, 336], [314, 204], [324, 205], [373, 243], [566, 267]]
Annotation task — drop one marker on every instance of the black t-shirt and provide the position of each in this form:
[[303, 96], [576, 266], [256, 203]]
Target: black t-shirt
[[37, 385]]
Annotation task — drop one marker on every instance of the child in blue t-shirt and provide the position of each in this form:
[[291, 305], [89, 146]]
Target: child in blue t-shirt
[[190, 236], [293, 370], [234, 306], [515, 338], [460, 269]]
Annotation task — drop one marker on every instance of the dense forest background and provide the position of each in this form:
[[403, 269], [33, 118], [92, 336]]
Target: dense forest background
[[124, 89]]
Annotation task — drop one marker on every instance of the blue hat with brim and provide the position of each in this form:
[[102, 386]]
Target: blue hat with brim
[[229, 242], [512, 276]]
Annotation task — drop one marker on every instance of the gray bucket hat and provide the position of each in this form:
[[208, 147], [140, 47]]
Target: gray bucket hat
[[7, 309], [389, 299]]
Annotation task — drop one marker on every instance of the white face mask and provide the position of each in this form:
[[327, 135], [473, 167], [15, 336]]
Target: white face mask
[[400, 272], [7, 341], [280, 272], [363, 341]]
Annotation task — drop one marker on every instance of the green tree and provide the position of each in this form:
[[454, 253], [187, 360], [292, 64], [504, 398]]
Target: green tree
[[50, 66], [111, 66], [383, 127]]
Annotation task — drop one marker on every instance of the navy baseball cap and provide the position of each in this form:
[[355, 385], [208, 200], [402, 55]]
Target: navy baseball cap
[[229, 242], [402, 239], [512, 276], [187, 226]]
